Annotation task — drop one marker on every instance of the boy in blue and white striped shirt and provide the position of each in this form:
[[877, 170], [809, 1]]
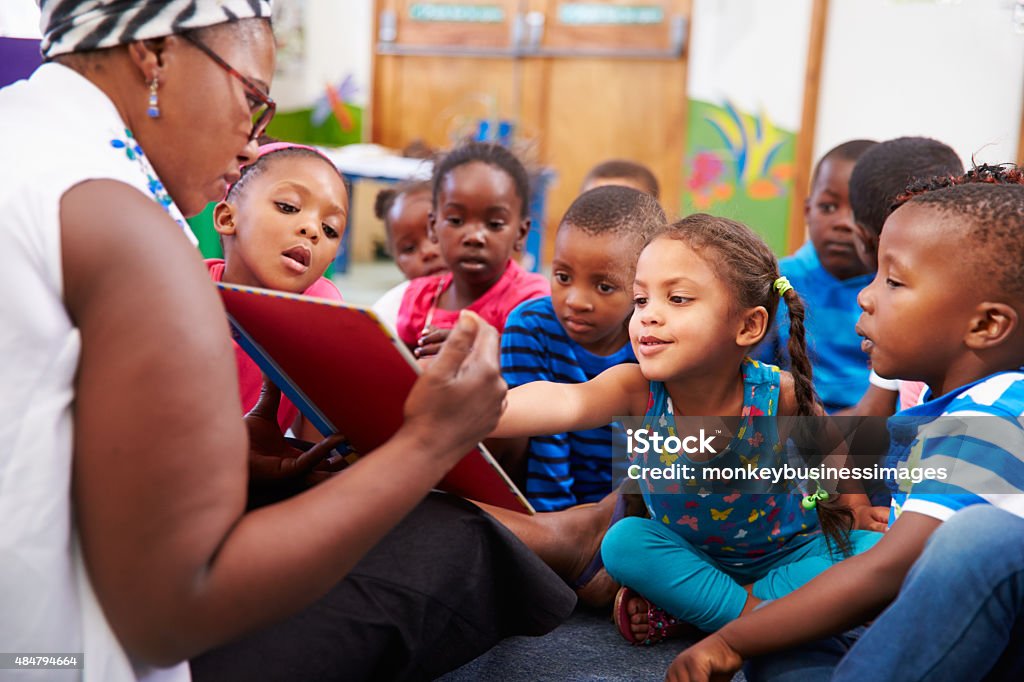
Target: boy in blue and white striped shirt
[[578, 332]]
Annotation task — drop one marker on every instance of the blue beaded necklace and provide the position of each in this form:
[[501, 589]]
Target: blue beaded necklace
[[133, 152]]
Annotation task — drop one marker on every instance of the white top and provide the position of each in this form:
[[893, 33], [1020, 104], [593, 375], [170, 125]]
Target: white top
[[58, 131], [887, 384], [388, 305]]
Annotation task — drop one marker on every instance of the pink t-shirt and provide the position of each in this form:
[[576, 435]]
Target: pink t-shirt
[[250, 378], [512, 288]]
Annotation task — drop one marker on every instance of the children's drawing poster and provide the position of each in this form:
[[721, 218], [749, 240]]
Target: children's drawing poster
[[745, 91]]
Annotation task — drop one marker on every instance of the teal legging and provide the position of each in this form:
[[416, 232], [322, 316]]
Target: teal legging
[[651, 558]]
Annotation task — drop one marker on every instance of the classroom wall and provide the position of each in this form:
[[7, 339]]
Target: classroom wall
[[949, 70], [338, 42], [19, 19]]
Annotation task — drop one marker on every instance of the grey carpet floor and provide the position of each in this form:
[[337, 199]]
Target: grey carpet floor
[[587, 647]]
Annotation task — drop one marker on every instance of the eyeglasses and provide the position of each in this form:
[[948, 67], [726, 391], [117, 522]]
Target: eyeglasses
[[260, 104]]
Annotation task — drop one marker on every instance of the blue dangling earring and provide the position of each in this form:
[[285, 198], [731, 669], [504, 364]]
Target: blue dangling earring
[[154, 107]]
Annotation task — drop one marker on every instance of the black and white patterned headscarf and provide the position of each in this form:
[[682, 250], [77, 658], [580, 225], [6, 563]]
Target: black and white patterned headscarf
[[83, 25]]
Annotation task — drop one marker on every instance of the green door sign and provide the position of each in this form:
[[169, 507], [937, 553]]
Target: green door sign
[[452, 13]]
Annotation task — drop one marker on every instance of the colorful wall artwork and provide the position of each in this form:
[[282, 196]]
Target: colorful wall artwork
[[745, 90], [739, 164], [333, 120]]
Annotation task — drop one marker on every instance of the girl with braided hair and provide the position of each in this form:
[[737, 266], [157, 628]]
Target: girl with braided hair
[[705, 292]]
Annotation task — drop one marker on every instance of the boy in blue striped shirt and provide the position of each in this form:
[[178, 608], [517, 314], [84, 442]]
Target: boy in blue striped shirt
[[578, 332], [946, 308]]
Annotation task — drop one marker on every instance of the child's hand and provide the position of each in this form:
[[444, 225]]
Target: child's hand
[[870, 518], [270, 456], [326, 469], [430, 343], [710, 659]]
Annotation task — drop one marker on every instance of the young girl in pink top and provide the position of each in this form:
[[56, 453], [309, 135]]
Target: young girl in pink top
[[281, 226], [479, 219]]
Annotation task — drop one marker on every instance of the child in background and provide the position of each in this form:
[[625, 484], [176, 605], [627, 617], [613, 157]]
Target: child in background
[[578, 332], [281, 225], [881, 175], [481, 194], [829, 274], [624, 173], [955, 324], [705, 293], [405, 210]]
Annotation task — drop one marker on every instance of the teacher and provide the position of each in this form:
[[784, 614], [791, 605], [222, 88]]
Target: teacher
[[123, 468]]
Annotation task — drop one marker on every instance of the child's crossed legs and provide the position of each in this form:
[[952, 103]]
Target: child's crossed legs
[[655, 561]]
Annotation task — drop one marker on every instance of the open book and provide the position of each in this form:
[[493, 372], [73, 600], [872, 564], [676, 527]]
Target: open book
[[348, 373]]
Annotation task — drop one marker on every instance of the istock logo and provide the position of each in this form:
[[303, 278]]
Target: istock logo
[[646, 441]]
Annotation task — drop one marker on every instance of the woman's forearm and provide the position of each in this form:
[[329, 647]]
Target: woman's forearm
[[315, 539], [160, 452]]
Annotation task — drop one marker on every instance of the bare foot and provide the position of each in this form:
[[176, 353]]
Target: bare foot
[[585, 527], [599, 590], [568, 541]]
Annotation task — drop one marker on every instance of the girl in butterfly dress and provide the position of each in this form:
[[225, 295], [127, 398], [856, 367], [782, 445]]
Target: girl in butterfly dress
[[705, 292]]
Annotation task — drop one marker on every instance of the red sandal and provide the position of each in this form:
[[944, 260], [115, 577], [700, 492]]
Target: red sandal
[[660, 624]]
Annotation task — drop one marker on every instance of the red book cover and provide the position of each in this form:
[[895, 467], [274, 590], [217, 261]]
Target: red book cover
[[348, 373]]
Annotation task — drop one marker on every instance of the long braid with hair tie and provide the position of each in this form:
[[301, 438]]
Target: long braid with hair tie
[[800, 364], [782, 285], [836, 520]]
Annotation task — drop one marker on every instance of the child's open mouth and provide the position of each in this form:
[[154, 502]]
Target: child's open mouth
[[866, 344], [297, 258]]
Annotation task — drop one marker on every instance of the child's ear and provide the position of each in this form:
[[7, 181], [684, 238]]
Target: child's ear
[[866, 243], [224, 218], [754, 327], [432, 227], [524, 229], [991, 325], [807, 209]]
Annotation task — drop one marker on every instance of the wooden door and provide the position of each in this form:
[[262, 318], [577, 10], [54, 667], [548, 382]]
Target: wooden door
[[439, 67], [612, 77], [582, 81]]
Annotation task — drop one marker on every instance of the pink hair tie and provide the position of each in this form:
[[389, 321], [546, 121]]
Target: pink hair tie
[[278, 146], [272, 147]]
